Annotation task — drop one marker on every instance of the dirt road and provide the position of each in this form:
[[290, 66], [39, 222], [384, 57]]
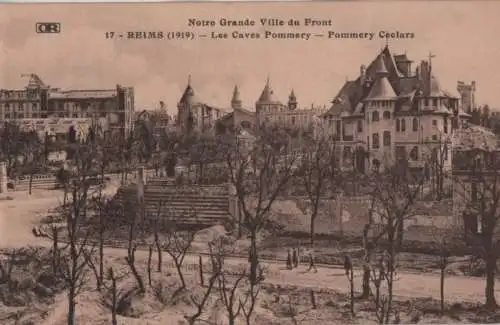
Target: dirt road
[[18, 216]]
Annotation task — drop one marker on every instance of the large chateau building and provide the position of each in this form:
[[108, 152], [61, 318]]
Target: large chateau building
[[268, 110], [391, 112], [41, 105]]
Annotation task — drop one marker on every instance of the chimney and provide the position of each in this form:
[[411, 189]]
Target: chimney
[[362, 73]]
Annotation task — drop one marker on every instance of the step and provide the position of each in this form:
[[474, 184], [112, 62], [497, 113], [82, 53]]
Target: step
[[187, 211], [169, 202], [201, 218]]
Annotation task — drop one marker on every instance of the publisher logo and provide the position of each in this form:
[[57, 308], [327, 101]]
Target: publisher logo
[[48, 28]]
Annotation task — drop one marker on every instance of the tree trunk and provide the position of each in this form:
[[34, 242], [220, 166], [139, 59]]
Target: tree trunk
[[366, 291], [150, 255], [441, 287], [30, 184], [158, 249], [55, 250], [491, 260], [71, 306], [254, 259], [351, 284], [312, 229]]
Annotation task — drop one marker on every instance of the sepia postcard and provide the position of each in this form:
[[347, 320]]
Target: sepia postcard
[[249, 163]]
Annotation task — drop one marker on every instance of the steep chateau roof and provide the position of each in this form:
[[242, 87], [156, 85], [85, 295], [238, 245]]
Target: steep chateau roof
[[292, 96], [188, 97], [236, 95], [267, 95], [381, 90], [407, 87], [379, 67]]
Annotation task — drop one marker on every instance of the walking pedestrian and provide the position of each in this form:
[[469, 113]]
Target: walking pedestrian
[[312, 266], [289, 260], [347, 264], [295, 257]]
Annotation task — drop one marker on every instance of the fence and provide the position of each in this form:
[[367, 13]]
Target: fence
[[22, 183]]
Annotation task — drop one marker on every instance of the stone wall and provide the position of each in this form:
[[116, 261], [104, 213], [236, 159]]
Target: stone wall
[[3, 177]]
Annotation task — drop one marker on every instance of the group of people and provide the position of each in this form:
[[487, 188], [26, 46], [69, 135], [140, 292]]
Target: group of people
[[292, 260]]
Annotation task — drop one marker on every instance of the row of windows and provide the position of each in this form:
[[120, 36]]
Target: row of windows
[[60, 105], [19, 106], [401, 125], [376, 116], [9, 115], [376, 139]]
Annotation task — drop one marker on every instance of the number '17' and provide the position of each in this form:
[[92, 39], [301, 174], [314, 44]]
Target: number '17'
[[110, 35]]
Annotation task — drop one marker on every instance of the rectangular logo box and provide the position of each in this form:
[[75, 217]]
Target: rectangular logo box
[[48, 28]]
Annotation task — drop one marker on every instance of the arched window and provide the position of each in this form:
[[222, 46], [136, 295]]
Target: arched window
[[398, 125], [375, 141], [387, 138], [375, 116], [414, 153], [387, 115], [403, 125], [415, 125]]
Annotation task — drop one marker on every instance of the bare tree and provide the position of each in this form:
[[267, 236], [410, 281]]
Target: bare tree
[[382, 303], [177, 246], [130, 258], [114, 294], [438, 166], [394, 194], [159, 220], [74, 265], [202, 150], [229, 293], [477, 185], [201, 303], [259, 168], [33, 156], [319, 173]]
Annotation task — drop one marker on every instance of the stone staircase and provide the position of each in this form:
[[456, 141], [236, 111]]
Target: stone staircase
[[190, 206]]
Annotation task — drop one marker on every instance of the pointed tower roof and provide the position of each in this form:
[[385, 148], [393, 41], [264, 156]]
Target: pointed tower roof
[[236, 94], [188, 97], [292, 98], [379, 67], [267, 95], [381, 88]]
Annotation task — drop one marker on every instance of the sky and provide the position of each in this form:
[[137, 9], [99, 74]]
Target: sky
[[461, 35]]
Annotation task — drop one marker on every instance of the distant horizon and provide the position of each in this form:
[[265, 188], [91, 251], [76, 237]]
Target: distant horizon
[[460, 34]]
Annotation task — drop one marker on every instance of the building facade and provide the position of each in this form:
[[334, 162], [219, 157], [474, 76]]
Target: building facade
[[113, 108], [195, 115], [268, 110], [392, 112]]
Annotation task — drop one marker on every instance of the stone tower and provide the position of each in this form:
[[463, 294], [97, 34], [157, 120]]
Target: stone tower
[[236, 101], [467, 95]]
